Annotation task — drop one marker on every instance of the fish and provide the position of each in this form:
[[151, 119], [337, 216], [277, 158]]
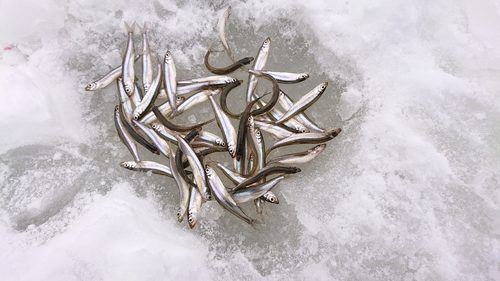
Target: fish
[[107, 79], [286, 102], [128, 73], [222, 196], [225, 126], [274, 98], [170, 79], [217, 80], [160, 143], [228, 69], [270, 197], [258, 64], [183, 188], [147, 67], [195, 100], [222, 34], [306, 138], [127, 123], [256, 191], [141, 117], [305, 102], [197, 168], [148, 100], [241, 137], [194, 206], [268, 170], [287, 77], [146, 166], [179, 154], [164, 108], [299, 157], [223, 99], [164, 121], [125, 137]]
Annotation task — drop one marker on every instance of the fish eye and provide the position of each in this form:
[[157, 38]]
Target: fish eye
[[271, 199], [231, 150], [209, 197], [190, 219], [303, 130], [207, 170]]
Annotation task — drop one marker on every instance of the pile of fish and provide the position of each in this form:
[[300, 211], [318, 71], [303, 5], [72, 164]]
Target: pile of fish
[[146, 114]]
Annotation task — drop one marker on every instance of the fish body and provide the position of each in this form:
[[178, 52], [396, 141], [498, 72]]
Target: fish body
[[128, 73], [170, 80], [222, 196]]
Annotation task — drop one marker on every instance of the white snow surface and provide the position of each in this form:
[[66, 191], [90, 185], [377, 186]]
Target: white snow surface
[[408, 191]]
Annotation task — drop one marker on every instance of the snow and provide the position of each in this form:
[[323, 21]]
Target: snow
[[408, 191]]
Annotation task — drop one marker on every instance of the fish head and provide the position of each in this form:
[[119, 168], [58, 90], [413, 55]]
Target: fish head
[[231, 147], [168, 57], [131, 165], [137, 113], [207, 195], [220, 142], [180, 215], [229, 80], [270, 197], [179, 99], [322, 87], [192, 219], [90, 87], [266, 44], [129, 89], [318, 148], [157, 127], [209, 171], [258, 135], [334, 132], [301, 129]]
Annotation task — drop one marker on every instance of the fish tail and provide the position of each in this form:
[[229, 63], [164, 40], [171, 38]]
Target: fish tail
[[130, 29], [212, 50], [144, 29], [127, 27]]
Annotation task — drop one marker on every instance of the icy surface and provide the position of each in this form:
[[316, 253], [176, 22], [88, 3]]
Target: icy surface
[[408, 191]]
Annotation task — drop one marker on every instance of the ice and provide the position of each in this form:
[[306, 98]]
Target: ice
[[408, 190]]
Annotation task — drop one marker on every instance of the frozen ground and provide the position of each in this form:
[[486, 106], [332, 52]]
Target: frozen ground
[[408, 191]]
